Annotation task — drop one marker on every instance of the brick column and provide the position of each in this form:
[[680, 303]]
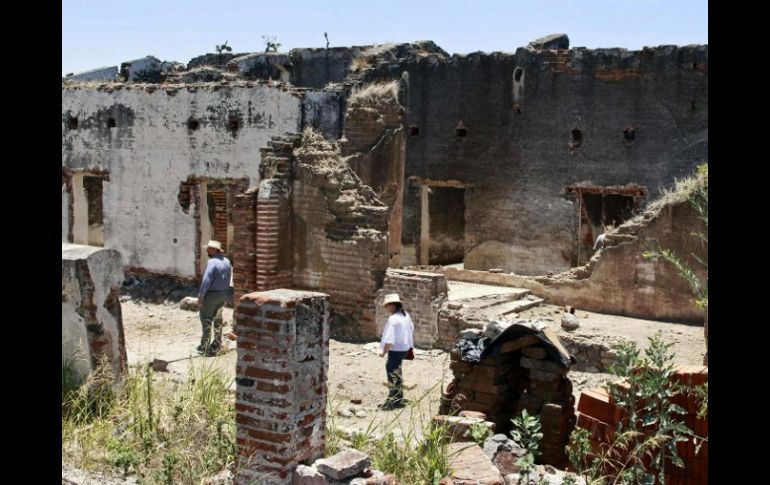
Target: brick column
[[273, 214], [283, 358], [244, 245]]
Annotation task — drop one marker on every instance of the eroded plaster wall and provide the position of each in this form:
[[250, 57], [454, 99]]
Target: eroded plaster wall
[[511, 143], [92, 324], [152, 148]]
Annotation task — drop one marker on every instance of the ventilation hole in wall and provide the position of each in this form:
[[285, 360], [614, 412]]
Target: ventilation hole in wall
[[72, 123], [184, 197], [176, 240], [629, 134], [576, 138], [414, 130], [517, 74], [193, 124], [234, 125], [111, 123]]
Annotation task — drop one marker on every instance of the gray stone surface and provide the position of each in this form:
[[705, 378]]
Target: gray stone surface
[[105, 74], [189, 303], [552, 41], [569, 322], [345, 464]]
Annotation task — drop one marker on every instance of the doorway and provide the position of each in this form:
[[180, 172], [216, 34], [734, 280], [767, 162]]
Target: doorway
[[445, 224]]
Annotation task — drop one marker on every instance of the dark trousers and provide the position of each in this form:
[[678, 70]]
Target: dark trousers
[[395, 379], [211, 319]]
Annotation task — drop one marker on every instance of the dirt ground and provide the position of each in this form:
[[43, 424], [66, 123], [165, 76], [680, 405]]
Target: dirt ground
[[357, 372]]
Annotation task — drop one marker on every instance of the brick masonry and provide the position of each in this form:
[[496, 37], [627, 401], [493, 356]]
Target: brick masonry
[[245, 243], [598, 413], [503, 385], [281, 372], [422, 295]]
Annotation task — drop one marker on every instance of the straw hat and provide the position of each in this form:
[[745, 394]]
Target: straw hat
[[392, 298], [215, 244]]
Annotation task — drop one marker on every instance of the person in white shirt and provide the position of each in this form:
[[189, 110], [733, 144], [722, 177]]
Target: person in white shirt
[[396, 342]]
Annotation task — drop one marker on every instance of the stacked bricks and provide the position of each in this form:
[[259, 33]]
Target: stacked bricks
[[591, 356], [273, 233], [598, 413], [283, 359], [422, 295], [519, 377], [244, 244], [273, 239]]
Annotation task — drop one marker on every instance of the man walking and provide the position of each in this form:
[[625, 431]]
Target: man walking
[[212, 297]]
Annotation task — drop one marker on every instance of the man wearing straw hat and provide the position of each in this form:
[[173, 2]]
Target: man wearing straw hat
[[212, 297], [397, 343]]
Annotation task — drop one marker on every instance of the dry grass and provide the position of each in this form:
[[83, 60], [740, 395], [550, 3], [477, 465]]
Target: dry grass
[[682, 191], [155, 429], [366, 58], [375, 94]]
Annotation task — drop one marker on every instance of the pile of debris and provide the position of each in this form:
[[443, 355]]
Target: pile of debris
[[349, 467]]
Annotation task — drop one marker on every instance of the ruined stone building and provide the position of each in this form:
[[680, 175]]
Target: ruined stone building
[[513, 161]]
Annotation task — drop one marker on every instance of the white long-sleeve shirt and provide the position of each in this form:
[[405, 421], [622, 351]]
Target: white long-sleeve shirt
[[398, 332]]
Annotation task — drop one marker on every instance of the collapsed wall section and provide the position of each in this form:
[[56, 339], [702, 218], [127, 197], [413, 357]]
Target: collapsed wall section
[[92, 324], [339, 236], [619, 279]]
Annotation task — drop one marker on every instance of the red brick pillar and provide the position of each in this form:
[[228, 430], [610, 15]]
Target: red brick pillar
[[273, 213], [283, 359], [244, 246]]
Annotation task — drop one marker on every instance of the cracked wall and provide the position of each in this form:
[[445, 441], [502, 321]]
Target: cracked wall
[[151, 138], [92, 324], [511, 144]]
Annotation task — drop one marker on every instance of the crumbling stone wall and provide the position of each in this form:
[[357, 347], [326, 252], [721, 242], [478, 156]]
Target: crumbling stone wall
[[339, 234], [92, 324], [151, 138], [281, 371], [422, 295], [502, 124], [374, 144], [619, 279]]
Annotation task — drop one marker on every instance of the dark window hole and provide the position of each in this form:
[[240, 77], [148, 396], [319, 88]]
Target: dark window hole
[[234, 125], [72, 123], [461, 132], [576, 138], [629, 134], [517, 74], [692, 105], [414, 131], [193, 124], [111, 123]]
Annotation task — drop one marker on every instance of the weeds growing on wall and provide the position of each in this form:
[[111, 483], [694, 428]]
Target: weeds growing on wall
[[646, 439]]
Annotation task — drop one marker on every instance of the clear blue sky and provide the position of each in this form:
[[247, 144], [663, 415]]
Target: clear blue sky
[[99, 33]]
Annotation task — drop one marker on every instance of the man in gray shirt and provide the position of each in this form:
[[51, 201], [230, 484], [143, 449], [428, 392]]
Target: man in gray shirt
[[212, 297]]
